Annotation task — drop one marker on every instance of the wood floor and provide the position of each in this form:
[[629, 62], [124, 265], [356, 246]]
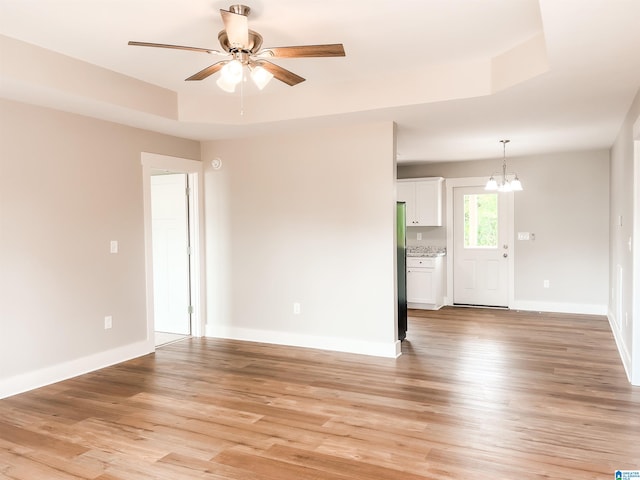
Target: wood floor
[[477, 394]]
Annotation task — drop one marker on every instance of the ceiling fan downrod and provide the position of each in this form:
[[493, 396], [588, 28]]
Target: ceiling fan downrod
[[240, 9]]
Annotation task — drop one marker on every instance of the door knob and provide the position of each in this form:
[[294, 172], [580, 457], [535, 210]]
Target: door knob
[[505, 255]]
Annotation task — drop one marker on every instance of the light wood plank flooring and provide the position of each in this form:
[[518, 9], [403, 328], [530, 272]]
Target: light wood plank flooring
[[477, 394]]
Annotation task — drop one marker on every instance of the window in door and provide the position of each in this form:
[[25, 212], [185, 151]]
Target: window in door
[[481, 220]]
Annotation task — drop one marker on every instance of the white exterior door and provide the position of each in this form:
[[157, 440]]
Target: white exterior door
[[170, 236], [482, 253]]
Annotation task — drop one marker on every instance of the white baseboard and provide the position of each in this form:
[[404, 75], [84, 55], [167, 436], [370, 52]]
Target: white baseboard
[[558, 307], [63, 371], [336, 344], [424, 306], [625, 356]]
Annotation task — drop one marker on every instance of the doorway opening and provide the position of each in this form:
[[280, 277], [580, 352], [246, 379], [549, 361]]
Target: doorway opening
[[173, 211], [171, 256], [480, 267]]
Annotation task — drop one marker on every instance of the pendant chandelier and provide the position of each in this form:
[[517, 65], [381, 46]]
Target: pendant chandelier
[[506, 182]]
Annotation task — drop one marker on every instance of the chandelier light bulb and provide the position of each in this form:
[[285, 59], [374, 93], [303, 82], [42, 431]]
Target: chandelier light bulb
[[505, 187], [491, 185]]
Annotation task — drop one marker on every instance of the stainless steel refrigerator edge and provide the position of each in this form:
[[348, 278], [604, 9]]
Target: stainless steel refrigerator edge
[[401, 262]]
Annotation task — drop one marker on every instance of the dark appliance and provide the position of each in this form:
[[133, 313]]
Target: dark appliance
[[401, 262]]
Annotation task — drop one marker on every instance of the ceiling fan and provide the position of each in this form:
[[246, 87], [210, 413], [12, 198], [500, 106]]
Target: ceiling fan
[[243, 47]]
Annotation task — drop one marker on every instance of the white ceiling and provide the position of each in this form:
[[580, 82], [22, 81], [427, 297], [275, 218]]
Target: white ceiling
[[392, 46]]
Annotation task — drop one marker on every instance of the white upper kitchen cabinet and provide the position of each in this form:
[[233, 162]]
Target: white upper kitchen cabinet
[[423, 197]]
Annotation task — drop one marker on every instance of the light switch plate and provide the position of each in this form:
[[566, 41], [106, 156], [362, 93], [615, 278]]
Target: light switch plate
[[113, 246], [523, 235]]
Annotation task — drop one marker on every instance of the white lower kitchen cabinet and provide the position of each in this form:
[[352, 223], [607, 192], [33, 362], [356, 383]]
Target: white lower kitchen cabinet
[[425, 282]]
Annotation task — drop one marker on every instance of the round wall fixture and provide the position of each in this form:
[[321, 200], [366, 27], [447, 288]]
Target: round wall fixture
[[216, 163]]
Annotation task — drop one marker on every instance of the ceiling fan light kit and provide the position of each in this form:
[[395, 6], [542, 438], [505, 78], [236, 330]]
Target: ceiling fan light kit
[[260, 76], [244, 47], [507, 182], [230, 75]]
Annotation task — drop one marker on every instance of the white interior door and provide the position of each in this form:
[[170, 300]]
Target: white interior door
[[170, 237], [481, 253]]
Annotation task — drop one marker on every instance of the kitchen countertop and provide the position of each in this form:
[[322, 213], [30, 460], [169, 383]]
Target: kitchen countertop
[[425, 251]]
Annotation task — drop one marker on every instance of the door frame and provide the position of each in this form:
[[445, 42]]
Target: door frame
[[450, 184], [194, 170]]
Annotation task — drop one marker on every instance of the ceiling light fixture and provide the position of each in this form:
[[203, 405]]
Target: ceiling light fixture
[[230, 76], [504, 183], [260, 76], [232, 73], [243, 48]]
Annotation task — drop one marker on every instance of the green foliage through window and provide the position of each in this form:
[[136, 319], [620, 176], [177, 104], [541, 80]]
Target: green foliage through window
[[481, 220]]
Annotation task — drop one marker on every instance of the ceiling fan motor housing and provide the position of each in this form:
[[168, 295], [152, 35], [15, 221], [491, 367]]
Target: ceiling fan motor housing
[[255, 43]]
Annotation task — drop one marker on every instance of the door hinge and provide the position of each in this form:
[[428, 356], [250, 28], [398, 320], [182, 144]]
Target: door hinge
[[190, 309], [187, 191], [189, 250]]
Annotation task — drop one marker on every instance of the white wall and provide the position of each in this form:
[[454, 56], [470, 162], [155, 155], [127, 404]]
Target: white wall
[[303, 217], [565, 203], [625, 322], [68, 186]]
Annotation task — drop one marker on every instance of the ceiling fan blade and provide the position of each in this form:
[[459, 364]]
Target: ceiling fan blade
[[330, 50], [282, 74], [177, 47], [204, 73], [237, 28]]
